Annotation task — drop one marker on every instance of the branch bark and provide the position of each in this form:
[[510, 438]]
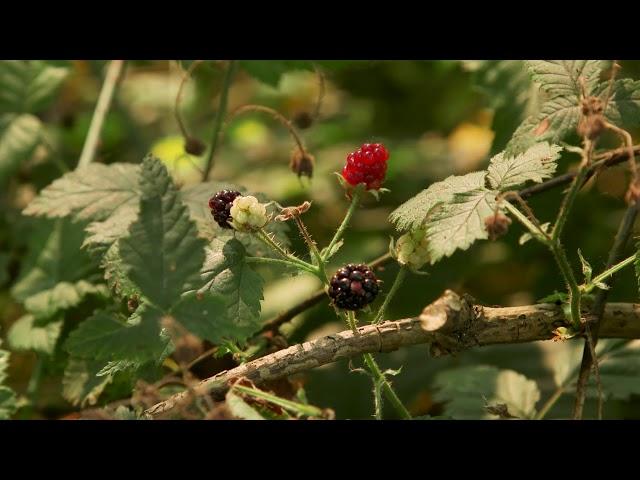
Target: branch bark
[[450, 324]]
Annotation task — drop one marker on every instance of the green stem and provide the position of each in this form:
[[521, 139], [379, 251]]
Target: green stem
[[280, 261], [313, 249], [345, 222], [220, 114], [568, 202], [264, 236], [528, 224], [574, 289], [402, 273], [386, 386], [609, 272]]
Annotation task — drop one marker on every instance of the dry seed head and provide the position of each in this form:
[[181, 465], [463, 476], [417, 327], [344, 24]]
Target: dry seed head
[[497, 225]]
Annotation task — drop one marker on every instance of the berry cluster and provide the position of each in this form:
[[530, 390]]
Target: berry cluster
[[367, 165], [248, 214], [353, 286], [220, 205]]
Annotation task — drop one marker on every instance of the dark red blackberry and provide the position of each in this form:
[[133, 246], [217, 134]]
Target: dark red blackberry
[[220, 204], [367, 165], [353, 287]]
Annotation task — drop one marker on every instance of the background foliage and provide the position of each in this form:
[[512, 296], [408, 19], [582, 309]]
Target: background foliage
[[437, 118]]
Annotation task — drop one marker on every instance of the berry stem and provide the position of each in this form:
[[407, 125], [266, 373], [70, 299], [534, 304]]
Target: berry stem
[[609, 272], [345, 222], [386, 386], [397, 283], [313, 248], [278, 261], [264, 236], [378, 377], [220, 114]]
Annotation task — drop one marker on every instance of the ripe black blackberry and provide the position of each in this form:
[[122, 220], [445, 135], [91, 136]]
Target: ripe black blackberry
[[353, 287], [220, 204]]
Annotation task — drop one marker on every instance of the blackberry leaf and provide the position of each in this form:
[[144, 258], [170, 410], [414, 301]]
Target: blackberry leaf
[[414, 212], [226, 274], [80, 384], [20, 134], [536, 164], [560, 78], [468, 391], [459, 223], [103, 337], [25, 335], [94, 192], [162, 255]]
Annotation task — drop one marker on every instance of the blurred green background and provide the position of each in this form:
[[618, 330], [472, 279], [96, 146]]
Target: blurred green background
[[434, 120]]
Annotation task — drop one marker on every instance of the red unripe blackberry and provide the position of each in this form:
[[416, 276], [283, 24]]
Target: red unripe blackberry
[[367, 165], [220, 205], [353, 287]]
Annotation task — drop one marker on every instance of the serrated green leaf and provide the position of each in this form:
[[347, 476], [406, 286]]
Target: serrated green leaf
[[623, 108], [536, 164], [8, 403], [509, 91], [115, 366], [115, 274], [93, 192], [206, 317], [103, 337], [28, 85], [20, 134], [557, 119], [560, 78], [162, 254], [56, 274], [80, 384], [458, 224], [412, 214], [226, 274], [102, 235], [64, 295], [25, 335], [468, 389]]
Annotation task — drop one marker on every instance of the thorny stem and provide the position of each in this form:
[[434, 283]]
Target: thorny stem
[[279, 261], [397, 283], [321, 91], [99, 114], [569, 277], [345, 222], [378, 376], [220, 114], [533, 229], [568, 201], [264, 236], [608, 273], [386, 386], [313, 248]]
